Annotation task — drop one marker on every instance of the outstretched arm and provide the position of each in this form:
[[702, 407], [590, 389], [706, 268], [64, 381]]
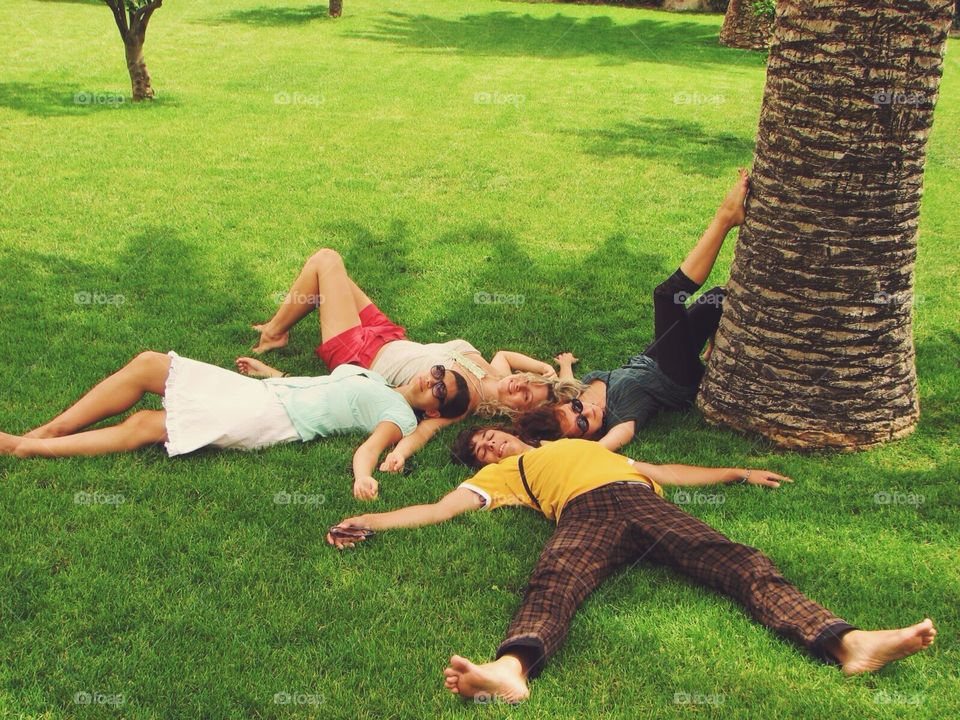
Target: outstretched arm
[[618, 435], [395, 460], [449, 506], [692, 475], [506, 362], [365, 458]]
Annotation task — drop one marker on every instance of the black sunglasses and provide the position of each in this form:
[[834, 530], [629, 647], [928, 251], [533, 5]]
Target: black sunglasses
[[439, 388], [582, 423]]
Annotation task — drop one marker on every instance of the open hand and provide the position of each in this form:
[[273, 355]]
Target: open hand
[[566, 359], [365, 488], [254, 368], [765, 478], [393, 462]]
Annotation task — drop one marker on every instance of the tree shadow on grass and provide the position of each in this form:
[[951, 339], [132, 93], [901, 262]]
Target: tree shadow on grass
[[156, 292], [266, 16], [683, 143], [61, 99], [510, 34], [598, 306]]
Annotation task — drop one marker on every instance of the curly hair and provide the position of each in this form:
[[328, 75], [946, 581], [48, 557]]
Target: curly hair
[[558, 391]]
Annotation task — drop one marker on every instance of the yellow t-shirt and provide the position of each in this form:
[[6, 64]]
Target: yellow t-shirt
[[557, 472]]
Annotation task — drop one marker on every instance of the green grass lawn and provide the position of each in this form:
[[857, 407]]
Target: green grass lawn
[[568, 154]]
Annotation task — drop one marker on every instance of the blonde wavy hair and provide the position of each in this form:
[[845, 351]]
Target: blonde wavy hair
[[558, 391]]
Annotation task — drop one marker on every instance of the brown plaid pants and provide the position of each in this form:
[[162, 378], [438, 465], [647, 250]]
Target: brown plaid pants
[[622, 523]]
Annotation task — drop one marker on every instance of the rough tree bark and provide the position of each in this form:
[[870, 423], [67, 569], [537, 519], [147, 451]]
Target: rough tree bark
[[815, 348], [743, 28], [336, 8], [132, 25]]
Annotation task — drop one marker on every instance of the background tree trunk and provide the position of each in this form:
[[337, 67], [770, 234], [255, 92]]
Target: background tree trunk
[[139, 77], [743, 28], [336, 8], [815, 348]]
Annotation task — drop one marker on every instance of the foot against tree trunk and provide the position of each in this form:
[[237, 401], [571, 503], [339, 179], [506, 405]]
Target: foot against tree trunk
[[815, 346]]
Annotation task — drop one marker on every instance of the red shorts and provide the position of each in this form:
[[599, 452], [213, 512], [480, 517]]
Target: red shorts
[[360, 344]]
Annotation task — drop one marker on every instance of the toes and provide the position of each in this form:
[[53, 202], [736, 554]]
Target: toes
[[460, 664]]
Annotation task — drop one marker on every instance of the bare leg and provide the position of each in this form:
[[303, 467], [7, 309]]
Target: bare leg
[[699, 262], [323, 283], [503, 680], [142, 428], [862, 651], [147, 372]]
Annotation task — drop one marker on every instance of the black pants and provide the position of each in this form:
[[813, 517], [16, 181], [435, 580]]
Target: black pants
[[679, 333]]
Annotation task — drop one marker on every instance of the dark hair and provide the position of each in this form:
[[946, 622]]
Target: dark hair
[[454, 408], [461, 451], [541, 423]]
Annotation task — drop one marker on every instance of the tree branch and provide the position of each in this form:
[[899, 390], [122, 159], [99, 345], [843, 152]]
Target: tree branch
[[116, 6], [140, 18]]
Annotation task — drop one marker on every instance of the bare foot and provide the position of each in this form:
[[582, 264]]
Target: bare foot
[[862, 651], [268, 340], [498, 681], [8, 444], [732, 208]]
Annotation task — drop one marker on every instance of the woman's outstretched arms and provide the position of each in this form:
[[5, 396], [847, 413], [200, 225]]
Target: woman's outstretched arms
[[365, 458], [692, 475], [449, 506]]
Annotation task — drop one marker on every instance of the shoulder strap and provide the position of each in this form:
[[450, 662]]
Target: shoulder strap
[[526, 486]]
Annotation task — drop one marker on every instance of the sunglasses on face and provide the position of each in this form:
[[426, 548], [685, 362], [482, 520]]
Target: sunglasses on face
[[582, 423], [439, 387]]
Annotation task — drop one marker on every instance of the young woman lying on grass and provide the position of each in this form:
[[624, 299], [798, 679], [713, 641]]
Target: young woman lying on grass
[[354, 330], [617, 403], [610, 512], [207, 406]]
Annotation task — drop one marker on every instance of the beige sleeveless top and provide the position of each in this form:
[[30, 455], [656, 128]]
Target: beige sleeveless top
[[402, 360]]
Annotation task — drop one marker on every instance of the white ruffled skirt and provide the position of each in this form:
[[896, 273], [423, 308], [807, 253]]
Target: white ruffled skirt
[[209, 406]]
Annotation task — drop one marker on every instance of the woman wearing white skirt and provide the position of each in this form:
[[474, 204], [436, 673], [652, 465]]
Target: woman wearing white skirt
[[208, 406]]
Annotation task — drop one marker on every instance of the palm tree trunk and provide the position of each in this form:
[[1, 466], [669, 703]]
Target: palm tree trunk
[[744, 28], [815, 348]]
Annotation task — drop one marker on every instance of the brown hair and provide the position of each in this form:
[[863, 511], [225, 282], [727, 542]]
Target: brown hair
[[461, 452], [541, 423]]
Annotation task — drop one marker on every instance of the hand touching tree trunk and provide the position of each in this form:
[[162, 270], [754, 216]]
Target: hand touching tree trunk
[[815, 347]]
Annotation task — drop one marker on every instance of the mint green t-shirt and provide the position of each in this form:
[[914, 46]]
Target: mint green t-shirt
[[350, 399]]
